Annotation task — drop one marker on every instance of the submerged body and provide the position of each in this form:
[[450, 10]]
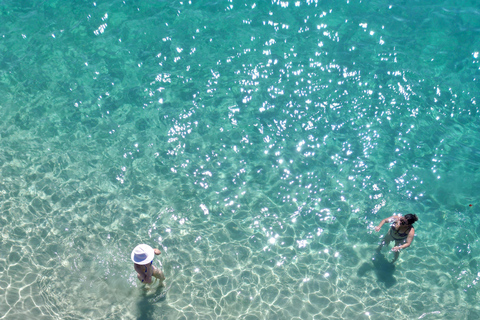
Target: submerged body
[[142, 257], [401, 231]]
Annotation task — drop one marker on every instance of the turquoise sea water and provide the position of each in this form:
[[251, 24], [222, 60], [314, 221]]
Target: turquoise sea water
[[256, 143]]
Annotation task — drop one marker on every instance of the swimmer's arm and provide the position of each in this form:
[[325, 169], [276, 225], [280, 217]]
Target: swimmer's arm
[[407, 243], [377, 228]]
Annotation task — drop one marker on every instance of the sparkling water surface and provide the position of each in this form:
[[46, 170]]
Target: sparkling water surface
[[256, 143]]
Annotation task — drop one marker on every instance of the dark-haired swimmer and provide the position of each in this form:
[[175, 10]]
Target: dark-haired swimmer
[[401, 231]]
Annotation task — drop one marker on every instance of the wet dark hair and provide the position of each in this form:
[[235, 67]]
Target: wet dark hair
[[411, 218]]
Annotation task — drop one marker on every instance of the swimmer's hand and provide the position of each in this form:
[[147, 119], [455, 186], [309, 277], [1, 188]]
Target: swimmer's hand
[[396, 249], [157, 252], [377, 228]]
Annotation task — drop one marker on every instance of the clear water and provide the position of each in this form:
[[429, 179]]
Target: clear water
[[255, 143]]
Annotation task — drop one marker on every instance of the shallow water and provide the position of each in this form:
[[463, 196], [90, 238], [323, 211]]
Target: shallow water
[[255, 143]]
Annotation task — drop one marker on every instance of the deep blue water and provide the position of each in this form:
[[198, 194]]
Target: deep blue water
[[256, 144]]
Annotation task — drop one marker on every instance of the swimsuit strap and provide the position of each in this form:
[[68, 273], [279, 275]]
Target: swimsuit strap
[[146, 268], [408, 230]]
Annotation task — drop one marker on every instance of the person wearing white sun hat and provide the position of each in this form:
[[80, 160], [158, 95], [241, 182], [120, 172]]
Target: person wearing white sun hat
[[142, 257]]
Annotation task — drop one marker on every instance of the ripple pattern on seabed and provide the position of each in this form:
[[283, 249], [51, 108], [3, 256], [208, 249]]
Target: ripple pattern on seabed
[[256, 144]]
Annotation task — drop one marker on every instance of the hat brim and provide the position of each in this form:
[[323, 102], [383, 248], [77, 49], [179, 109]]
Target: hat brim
[[148, 250]]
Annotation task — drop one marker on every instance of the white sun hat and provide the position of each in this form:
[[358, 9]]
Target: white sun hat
[[142, 254]]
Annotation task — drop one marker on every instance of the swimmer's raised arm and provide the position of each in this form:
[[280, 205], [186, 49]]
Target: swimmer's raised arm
[[377, 228]]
